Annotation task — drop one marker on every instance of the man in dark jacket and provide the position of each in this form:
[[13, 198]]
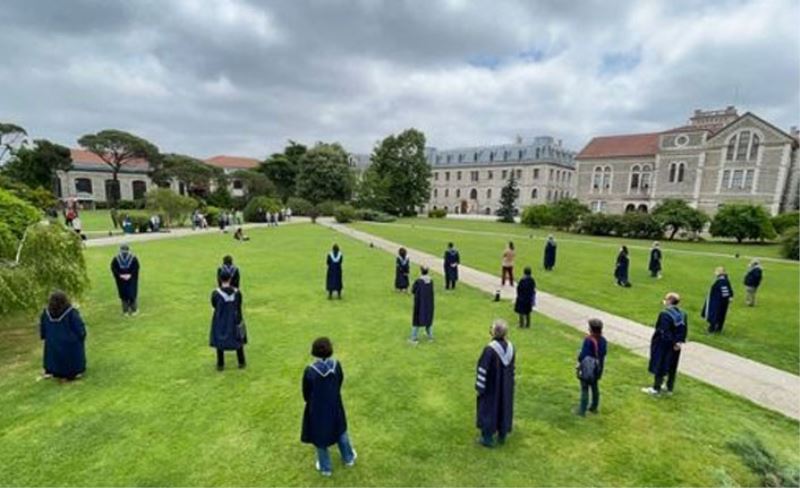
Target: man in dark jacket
[[752, 280], [665, 345], [495, 386], [526, 298]]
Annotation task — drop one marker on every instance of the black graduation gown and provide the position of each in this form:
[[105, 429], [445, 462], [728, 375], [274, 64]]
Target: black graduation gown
[[324, 418], [423, 302], [64, 336], [451, 257], [671, 328], [495, 386], [401, 270], [621, 270], [655, 261], [225, 332], [719, 296], [549, 255], [526, 295], [333, 281], [126, 264], [233, 271]]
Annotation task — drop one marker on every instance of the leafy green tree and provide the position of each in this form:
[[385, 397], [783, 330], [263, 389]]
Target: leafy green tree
[[11, 135], [742, 221], [398, 180], [536, 216], [119, 149], [508, 200], [674, 215], [37, 166], [38, 197], [174, 208], [17, 214], [790, 243], [325, 174], [196, 175], [255, 184], [282, 168], [565, 213]]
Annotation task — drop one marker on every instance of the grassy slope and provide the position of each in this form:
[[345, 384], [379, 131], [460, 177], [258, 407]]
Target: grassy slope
[[153, 411]]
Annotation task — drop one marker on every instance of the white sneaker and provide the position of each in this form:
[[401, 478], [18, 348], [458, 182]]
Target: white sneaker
[[352, 461], [413, 342], [323, 473], [650, 390]]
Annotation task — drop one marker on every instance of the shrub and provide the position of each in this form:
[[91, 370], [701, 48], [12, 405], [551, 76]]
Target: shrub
[[536, 216], [761, 461], [130, 204], [38, 197], [370, 215], [437, 213], [139, 218], [212, 214], [220, 197], [675, 215], [344, 214], [640, 226], [17, 214], [176, 208], [299, 206], [785, 221], [565, 213], [53, 254], [327, 208], [16, 286], [599, 224], [790, 243], [8, 242], [267, 204], [742, 221]]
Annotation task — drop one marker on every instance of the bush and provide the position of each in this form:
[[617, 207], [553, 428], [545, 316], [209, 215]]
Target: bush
[[536, 216], [675, 216], [212, 214], [17, 214], [639, 226], [344, 214], [38, 197], [267, 204], [790, 243], [785, 221], [176, 208], [599, 224], [565, 213], [16, 285], [327, 208], [139, 218], [130, 204], [742, 221], [221, 197], [299, 206], [8, 242], [437, 213], [53, 255], [370, 215]]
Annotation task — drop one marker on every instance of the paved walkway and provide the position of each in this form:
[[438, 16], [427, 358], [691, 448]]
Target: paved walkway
[[764, 385]]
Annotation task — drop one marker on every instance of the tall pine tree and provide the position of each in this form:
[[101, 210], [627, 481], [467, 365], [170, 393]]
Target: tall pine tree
[[508, 197]]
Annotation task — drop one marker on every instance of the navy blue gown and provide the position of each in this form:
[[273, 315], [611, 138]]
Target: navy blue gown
[[64, 337], [621, 270], [423, 302], [526, 295], [126, 264], [549, 255], [451, 257], [655, 262], [324, 418], [226, 333], [715, 308], [402, 268], [495, 386], [333, 281], [233, 271], [671, 328]]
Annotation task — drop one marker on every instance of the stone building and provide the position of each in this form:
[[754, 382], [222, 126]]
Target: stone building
[[470, 179], [718, 157]]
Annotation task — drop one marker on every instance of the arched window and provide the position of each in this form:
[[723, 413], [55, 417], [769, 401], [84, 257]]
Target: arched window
[[672, 170], [681, 172], [488, 193], [473, 194], [488, 211], [642, 208], [636, 174], [139, 189], [435, 192], [743, 146], [630, 208], [646, 175], [535, 193], [597, 179], [607, 174], [83, 185]]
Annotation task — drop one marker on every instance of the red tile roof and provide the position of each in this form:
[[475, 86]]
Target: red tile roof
[[628, 145], [233, 162], [81, 157]]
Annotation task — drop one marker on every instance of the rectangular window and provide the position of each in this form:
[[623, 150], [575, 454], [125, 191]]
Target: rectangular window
[[550, 177], [536, 173], [446, 192], [744, 143], [458, 175], [748, 179], [436, 175], [726, 179], [738, 178], [505, 174], [519, 174], [449, 158], [473, 175], [446, 176], [489, 175]]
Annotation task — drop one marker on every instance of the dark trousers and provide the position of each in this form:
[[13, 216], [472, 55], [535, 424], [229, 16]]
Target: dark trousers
[[525, 320], [672, 372], [449, 283], [509, 272], [338, 294], [129, 306], [585, 387], [221, 357]]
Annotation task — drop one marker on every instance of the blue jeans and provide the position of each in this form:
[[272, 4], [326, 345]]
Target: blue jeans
[[345, 449], [585, 387], [415, 333]]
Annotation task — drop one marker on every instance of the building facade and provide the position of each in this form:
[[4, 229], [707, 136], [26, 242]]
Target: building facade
[[469, 180], [717, 158]]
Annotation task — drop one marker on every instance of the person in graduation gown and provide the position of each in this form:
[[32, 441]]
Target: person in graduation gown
[[401, 270], [125, 268], [63, 332], [451, 261], [227, 332], [549, 253], [324, 417], [594, 345], [665, 346], [422, 316], [494, 384], [231, 270], [333, 281], [526, 298], [715, 308], [621, 269], [752, 280], [655, 261]]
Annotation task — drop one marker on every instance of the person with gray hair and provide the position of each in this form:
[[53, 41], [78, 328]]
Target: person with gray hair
[[494, 384], [752, 280], [125, 268]]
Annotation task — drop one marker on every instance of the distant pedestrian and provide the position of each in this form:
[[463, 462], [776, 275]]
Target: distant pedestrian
[[591, 361], [752, 280], [715, 308], [288, 214], [526, 298], [621, 269], [228, 331], [494, 384], [125, 269], [422, 315], [508, 265], [655, 261], [402, 267], [550, 253], [333, 279], [665, 345], [452, 259], [63, 333]]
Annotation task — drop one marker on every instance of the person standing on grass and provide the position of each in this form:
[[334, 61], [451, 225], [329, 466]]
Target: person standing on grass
[[665, 346], [621, 269], [655, 261], [508, 265], [451, 261], [715, 308], [494, 384], [752, 280], [324, 417], [550, 253], [228, 331], [333, 282], [125, 268], [423, 305], [229, 268], [63, 332], [401, 270], [591, 361], [526, 298]]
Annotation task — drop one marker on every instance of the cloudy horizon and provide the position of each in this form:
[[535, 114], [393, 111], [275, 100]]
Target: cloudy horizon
[[242, 77]]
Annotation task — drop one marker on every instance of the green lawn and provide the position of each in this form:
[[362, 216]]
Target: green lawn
[[96, 221], [769, 333], [152, 409]]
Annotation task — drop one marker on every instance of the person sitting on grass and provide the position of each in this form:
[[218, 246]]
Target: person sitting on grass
[[240, 236], [64, 334], [591, 360], [422, 316], [231, 270], [227, 322], [526, 298], [494, 384], [621, 269], [665, 346], [324, 417], [125, 269], [333, 279]]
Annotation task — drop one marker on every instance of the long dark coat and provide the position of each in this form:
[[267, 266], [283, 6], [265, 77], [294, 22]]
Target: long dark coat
[[226, 333], [495, 386], [126, 264], [333, 281], [526, 295], [64, 337], [233, 271], [402, 268], [621, 270], [324, 418], [549, 255], [599, 351], [451, 258], [671, 328], [423, 302], [715, 308], [655, 260]]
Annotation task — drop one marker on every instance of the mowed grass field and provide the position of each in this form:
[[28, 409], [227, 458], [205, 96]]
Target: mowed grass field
[[153, 410], [768, 333]]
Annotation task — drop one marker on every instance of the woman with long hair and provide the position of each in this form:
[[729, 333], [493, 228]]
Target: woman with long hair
[[64, 333]]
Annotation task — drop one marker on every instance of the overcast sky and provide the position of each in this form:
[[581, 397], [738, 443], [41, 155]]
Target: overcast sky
[[241, 77]]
